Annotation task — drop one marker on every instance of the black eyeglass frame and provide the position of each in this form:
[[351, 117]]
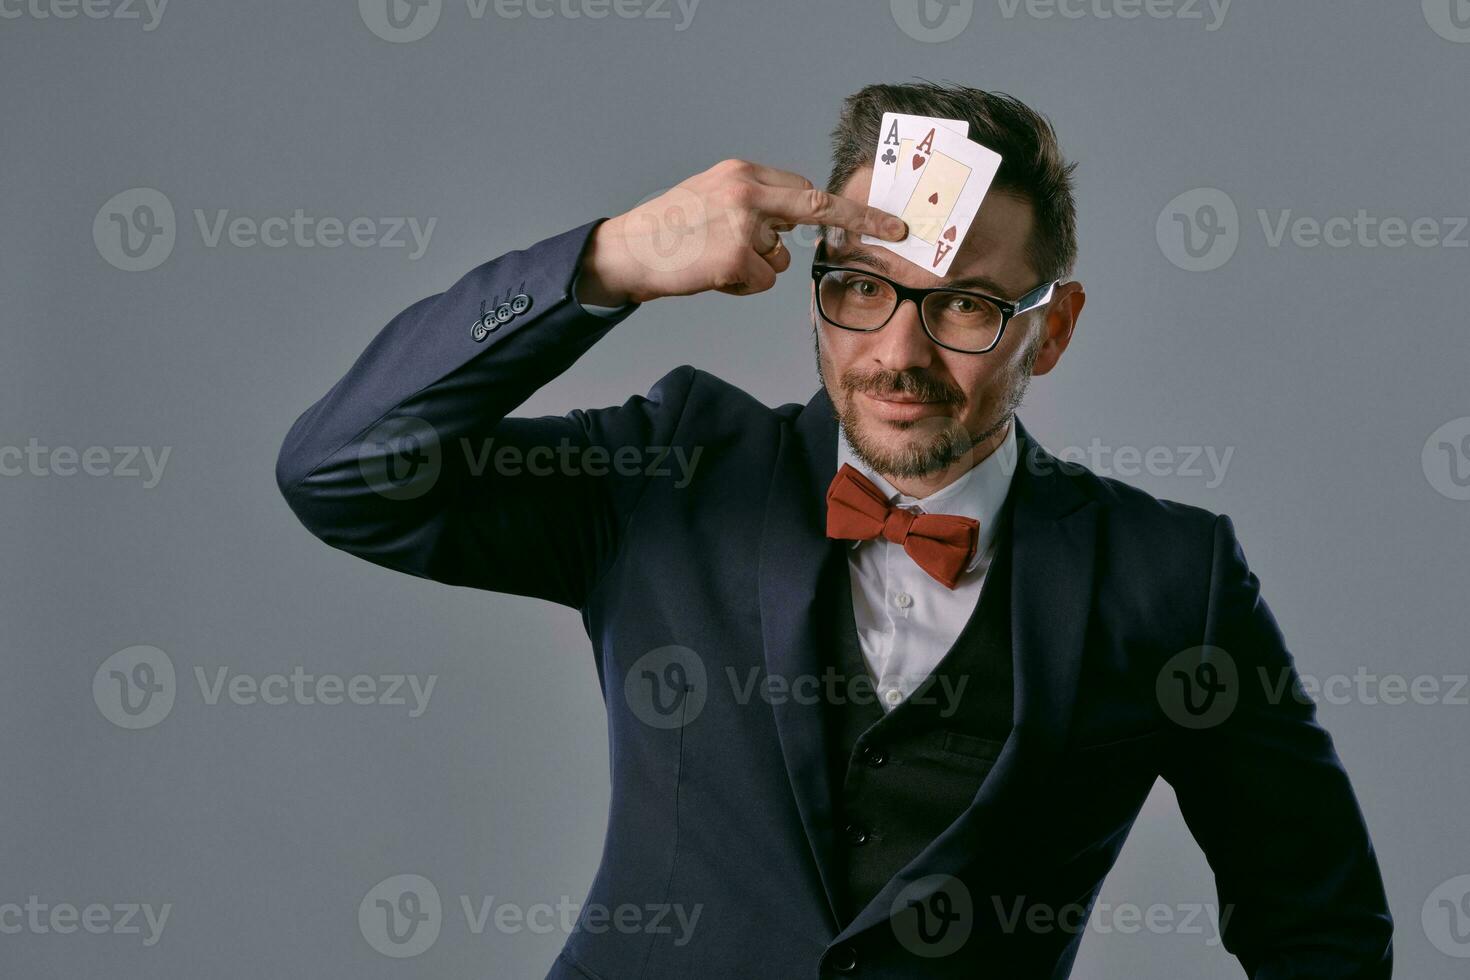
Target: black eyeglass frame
[[1033, 299]]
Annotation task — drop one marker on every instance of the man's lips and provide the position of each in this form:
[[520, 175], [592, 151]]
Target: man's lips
[[903, 405]]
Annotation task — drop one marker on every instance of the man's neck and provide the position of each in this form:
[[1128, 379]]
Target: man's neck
[[922, 486]]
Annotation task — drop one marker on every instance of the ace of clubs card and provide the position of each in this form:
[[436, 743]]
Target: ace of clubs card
[[939, 199]]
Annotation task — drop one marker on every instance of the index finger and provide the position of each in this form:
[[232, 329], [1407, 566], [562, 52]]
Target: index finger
[[817, 207]]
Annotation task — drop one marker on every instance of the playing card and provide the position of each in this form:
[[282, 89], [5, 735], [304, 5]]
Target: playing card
[[898, 134], [939, 198]]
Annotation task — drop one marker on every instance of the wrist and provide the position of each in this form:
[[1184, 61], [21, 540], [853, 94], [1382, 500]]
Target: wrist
[[600, 279]]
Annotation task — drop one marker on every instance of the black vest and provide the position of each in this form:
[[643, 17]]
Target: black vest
[[900, 778]]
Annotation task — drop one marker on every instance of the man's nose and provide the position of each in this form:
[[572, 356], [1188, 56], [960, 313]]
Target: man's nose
[[902, 343]]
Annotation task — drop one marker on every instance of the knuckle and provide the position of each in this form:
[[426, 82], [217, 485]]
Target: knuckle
[[732, 165], [817, 203]]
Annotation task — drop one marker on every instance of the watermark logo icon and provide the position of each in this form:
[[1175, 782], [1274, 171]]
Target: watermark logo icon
[[400, 21], [932, 21], [933, 916], [135, 688], [400, 916], [1199, 687], [135, 230], [1446, 917], [667, 688], [1446, 459], [1450, 19], [1199, 230], [400, 458]]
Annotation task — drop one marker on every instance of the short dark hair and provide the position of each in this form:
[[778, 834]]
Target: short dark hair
[[1032, 166]]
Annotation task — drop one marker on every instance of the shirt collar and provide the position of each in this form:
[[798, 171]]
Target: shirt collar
[[979, 493]]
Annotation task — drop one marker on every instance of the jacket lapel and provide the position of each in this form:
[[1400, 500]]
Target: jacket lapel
[[795, 553]]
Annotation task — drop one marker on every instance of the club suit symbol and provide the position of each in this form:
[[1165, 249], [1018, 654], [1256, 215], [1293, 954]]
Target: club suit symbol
[[1199, 230], [1198, 687], [1446, 459], [135, 230], [401, 916], [1446, 917], [667, 687], [134, 688], [933, 923], [889, 156]]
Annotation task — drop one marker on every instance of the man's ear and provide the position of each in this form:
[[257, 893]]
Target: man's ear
[[1060, 320]]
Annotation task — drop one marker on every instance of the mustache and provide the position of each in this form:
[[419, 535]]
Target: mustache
[[914, 383]]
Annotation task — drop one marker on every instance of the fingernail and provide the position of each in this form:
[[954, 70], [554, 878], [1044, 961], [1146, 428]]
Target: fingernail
[[897, 229]]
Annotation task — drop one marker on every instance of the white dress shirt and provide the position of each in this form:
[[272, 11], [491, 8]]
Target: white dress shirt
[[907, 621]]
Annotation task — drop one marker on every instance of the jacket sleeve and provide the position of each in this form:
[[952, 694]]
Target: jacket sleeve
[[1263, 792], [410, 462]]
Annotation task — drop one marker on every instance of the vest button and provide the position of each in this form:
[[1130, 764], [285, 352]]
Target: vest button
[[874, 757], [856, 836], [844, 960]]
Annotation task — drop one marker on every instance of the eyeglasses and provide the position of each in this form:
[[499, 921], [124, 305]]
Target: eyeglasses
[[960, 320]]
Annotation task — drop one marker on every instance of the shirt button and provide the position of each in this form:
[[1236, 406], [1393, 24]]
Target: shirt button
[[893, 695], [903, 600]]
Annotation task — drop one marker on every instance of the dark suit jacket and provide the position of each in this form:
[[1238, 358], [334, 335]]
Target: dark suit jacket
[[728, 811]]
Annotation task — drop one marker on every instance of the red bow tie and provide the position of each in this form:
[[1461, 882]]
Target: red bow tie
[[940, 544]]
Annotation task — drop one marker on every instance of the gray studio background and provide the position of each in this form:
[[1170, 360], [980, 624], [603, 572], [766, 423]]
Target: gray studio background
[[1334, 375]]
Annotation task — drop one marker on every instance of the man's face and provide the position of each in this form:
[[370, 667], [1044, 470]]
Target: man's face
[[909, 407]]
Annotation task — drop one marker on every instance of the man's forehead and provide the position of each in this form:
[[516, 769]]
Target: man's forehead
[[992, 256]]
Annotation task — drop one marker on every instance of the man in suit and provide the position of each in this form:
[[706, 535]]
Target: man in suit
[[886, 682]]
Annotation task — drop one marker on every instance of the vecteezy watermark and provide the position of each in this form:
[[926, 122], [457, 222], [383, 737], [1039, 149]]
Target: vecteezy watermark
[[567, 459], [403, 915], [670, 686], [933, 916], [1446, 459], [401, 458], [1201, 687], [667, 687], [1364, 687], [122, 462], [404, 21], [1211, 13], [135, 230], [1446, 917], [1198, 687], [40, 918], [1199, 230], [832, 687], [936, 21], [1161, 461], [135, 688], [932, 21], [149, 12], [1450, 19], [1016, 914]]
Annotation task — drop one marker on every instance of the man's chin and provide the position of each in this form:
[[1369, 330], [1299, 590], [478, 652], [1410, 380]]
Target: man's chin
[[907, 448]]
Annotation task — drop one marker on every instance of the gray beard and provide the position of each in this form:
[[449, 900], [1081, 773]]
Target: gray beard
[[941, 441]]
